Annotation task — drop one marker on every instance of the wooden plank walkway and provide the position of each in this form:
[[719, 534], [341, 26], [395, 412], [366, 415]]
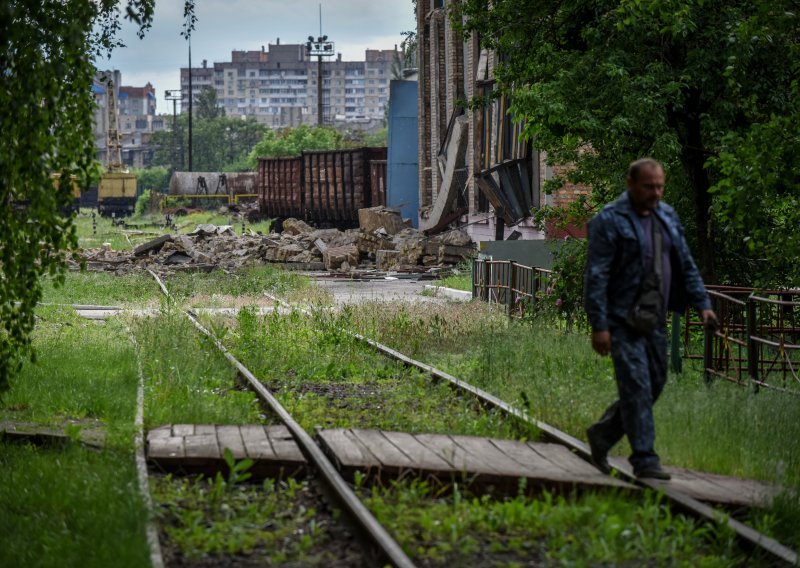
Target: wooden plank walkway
[[200, 449], [500, 463], [484, 463]]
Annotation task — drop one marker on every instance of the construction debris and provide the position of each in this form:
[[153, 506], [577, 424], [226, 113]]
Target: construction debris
[[384, 241]]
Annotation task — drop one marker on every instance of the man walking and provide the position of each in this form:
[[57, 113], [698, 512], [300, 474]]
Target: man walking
[[638, 266]]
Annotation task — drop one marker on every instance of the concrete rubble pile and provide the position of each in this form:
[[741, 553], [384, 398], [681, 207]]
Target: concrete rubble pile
[[383, 241]]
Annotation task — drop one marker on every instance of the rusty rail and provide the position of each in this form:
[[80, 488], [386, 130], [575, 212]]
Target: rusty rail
[[378, 542]]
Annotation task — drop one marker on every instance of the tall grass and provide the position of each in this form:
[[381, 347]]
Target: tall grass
[[329, 379], [83, 369], [97, 288], [187, 380], [70, 506], [720, 428]]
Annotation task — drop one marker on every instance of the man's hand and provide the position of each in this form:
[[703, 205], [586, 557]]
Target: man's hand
[[710, 320], [601, 342]]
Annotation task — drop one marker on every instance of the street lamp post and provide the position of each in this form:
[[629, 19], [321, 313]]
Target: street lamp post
[[320, 47], [174, 95]]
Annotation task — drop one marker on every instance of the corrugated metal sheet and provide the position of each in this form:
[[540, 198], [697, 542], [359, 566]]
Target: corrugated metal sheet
[[322, 186]]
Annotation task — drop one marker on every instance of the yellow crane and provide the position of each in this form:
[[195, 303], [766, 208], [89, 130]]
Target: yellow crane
[[116, 194]]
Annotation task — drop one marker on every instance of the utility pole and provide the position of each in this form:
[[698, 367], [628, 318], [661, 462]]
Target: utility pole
[[191, 96], [174, 96], [320, 47]]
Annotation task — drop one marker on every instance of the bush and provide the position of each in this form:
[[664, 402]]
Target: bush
[[146, 203]]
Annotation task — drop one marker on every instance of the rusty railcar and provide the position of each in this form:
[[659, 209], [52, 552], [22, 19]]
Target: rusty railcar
[[279, 187], [325, 187]]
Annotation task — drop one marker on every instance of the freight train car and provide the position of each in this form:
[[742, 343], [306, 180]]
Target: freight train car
[[325, 187]]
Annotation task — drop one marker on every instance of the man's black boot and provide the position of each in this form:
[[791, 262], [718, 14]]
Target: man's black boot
[[599, 451], [652, 472]]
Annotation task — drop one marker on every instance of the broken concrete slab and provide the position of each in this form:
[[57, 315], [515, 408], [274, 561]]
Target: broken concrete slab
[[373, 219], [387, 259], [206, 230], [294, 226], [150, 246], [336, 256]]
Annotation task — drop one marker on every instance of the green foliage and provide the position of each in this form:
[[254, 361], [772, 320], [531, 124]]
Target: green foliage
[[156, 178], [70, 506], [145, 203], [757, 203], [563, 296], [293, 141], [461, 529], [283, 523], [207, 108], [600, 84], [44, 49], [220, 143]]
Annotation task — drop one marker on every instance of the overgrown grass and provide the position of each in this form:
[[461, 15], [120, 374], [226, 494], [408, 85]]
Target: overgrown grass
[[329, 379], [246, 286], [83, 370], [70, 506], [273, 523], [460, 279], [187, 380], [587, 530], [97, 288], [555, 376]]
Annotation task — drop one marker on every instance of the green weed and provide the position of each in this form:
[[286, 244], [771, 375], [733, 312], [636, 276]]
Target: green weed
[[187, 380], [70, 506], [586, 530]]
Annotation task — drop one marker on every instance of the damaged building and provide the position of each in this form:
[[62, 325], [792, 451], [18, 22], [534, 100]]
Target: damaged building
[[474, 167]]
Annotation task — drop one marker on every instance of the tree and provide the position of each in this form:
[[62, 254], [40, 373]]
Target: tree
[[207, 107], [293, 141], [599, 84], [46, 70], [156, 178], [219, 144]]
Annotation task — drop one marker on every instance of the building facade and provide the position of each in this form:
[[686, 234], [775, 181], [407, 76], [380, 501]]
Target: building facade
[[474, 167], [136, 118], [279, 86]]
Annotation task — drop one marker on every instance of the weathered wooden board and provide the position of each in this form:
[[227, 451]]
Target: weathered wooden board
[[200, 449], [480, 461]]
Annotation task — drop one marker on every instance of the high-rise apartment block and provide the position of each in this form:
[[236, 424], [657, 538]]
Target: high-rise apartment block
[[279, 86], [136, 118]]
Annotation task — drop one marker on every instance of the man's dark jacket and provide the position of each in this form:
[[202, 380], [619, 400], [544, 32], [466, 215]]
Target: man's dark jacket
[[615, 264]]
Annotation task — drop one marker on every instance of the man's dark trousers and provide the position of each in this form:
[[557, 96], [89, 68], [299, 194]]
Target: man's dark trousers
[[640, 365]]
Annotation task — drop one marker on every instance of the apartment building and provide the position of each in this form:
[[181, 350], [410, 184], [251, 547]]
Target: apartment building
[[136, 118], [280, 84]]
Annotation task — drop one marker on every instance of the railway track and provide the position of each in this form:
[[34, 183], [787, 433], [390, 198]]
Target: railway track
[[380, 544]]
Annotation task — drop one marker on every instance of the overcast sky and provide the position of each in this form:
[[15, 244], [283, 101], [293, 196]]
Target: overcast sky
[[225, 25]]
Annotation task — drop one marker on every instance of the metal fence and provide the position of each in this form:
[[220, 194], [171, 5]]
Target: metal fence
[[757, 343], [516, 286], [758, 340]]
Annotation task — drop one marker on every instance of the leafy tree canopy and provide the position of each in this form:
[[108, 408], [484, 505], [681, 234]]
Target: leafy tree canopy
[[219, 143], [293, 141], [207, 106], [47, 49], [692, 83]]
